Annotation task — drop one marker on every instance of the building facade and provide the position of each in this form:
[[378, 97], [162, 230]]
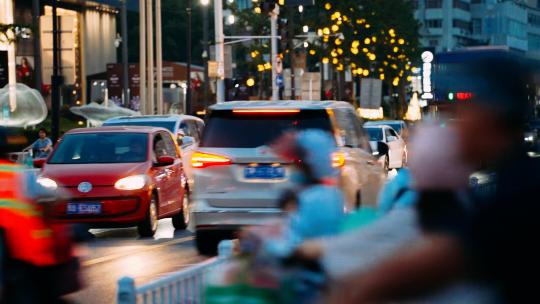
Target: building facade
[[448, 25], [88, 34]]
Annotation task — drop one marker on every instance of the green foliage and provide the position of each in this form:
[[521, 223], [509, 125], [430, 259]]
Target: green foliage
[[174, 31], [376, 38]]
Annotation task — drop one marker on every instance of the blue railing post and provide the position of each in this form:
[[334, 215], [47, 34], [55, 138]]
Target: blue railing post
[[225, 249], [126, 293]]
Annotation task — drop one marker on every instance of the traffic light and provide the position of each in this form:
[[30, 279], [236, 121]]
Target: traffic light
[[285, 34], [460, 96]]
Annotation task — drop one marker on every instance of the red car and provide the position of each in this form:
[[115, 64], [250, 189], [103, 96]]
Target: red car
[[118, 177]]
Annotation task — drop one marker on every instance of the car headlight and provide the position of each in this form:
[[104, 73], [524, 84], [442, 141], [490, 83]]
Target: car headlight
[[134, 182], [47, 183]]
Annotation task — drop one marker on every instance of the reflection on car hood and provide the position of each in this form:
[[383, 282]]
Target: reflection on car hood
[[71, 175]]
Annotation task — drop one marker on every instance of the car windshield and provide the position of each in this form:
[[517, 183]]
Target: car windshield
[[169, 125], [101, 148], [396, 126], [375, 134], [226, 129]]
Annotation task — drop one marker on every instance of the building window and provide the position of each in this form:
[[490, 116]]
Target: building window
[[534, 42], [433, 43], [434, 23], [517, 29], [461, 24], [477, 1], [414, 4], [534, 20], [433, 3], [477, 26], [462, 5]]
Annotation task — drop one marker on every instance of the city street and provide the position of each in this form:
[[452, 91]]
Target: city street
[[120, 252]]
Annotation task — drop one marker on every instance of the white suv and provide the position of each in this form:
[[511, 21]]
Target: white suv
[[238, 179]]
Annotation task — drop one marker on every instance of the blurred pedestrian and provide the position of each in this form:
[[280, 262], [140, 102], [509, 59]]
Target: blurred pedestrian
[[488, 238], [37, 264], [42, 146], [315, 206]]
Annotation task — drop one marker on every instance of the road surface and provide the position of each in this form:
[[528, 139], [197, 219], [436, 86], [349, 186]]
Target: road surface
[[120, 252]]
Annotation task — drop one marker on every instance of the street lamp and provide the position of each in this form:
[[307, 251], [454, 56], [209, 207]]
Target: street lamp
[[188, 72], [206, 52]]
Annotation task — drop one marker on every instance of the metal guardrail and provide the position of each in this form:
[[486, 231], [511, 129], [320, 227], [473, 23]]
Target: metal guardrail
[[183, 287], [22, 158]]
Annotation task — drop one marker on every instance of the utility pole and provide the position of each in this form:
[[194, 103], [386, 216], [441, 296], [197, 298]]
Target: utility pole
[[142, 57], [125, 67], [37, 44], [150, 59], [220, 50], [274, 33], [55, 81], [188, 70], [159, 59], [206, 53], [291, 52]]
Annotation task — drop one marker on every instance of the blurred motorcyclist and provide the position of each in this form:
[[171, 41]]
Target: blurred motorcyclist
[[489, 238], [37, 262]]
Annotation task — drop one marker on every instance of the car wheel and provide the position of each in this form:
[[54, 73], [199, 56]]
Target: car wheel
[[181, 220], [148, 227], [358, 199], [207, 242]]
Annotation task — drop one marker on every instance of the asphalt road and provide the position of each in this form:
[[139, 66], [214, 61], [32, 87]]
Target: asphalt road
[[115, 253]]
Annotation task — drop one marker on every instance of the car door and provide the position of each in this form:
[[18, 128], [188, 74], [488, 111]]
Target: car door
[[400, 143], [393, 143], [163, 175], [375, 175], [191, 130], [176, 178], [353, 173]]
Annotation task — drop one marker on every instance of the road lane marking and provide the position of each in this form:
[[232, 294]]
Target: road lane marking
[[111, 257]]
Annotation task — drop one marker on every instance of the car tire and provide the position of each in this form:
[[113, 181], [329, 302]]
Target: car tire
[[148, 227], [207, 242], [180, 221], [358, 199]]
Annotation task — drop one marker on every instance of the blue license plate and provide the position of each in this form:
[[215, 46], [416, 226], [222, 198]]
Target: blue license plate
[[84, 208], [264, 172]]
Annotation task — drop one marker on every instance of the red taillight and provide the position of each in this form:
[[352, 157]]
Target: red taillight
[[203, 160], [266, 111]]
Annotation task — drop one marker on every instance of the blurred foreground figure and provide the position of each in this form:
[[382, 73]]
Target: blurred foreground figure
[[265, 270], [487, 238], [36, 261]]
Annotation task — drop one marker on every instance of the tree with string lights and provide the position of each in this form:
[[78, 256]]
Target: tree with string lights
[[376, 39]]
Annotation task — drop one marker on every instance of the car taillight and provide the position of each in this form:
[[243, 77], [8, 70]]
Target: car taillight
[[203, 160], [266, 111], [338, 160]]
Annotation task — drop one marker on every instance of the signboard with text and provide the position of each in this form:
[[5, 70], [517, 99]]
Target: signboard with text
[[370, 93]]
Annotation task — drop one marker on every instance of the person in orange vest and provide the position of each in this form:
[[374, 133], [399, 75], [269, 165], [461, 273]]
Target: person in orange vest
[[36, 255]]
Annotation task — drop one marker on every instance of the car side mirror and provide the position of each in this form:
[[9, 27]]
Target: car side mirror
[[165, 160], [186, 141], [382, 149], [391, 138], [39, 162]]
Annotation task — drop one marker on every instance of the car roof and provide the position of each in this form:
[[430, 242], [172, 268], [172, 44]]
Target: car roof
[[114, 129], [376, 126], [282, 104], [169, 117], [384, 122]]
